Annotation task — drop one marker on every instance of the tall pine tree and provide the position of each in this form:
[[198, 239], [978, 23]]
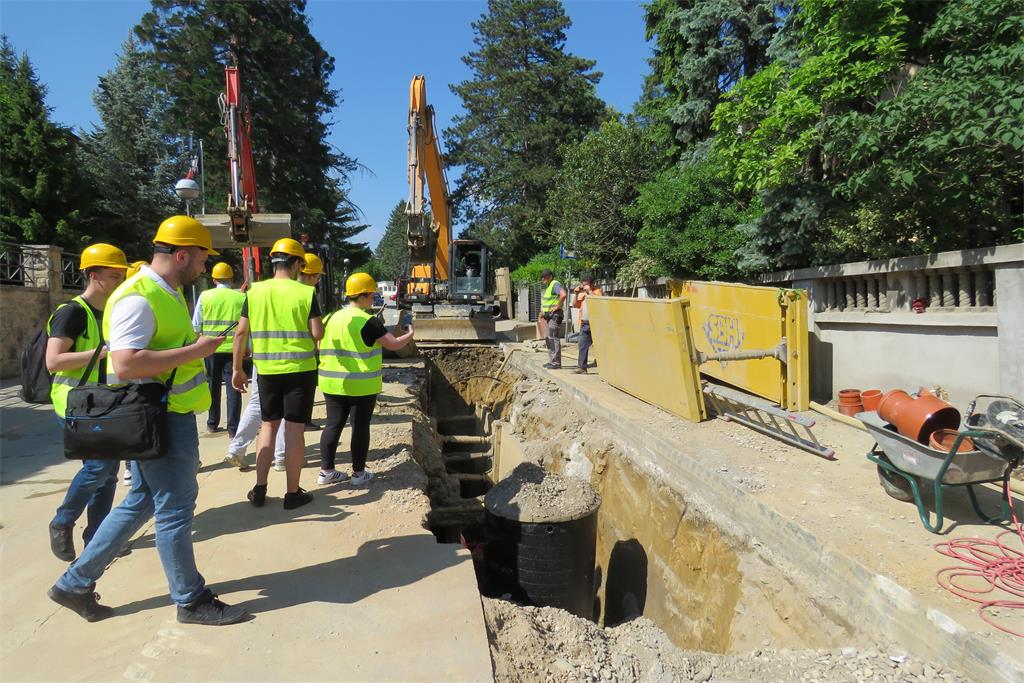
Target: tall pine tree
[[527, 98], [392, 251], [40, 189], [131, 162], [285, 74]]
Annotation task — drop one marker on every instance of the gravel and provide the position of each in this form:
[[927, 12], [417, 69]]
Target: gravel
[[547, 645], [532, 495]]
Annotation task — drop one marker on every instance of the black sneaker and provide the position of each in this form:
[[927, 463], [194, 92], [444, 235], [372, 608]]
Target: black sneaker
[[209, 611], [85, 605], [258, 495], [62, 542], [297, 499]]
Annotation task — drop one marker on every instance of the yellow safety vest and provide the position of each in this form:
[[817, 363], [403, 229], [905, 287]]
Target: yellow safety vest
[[549, 300], [221, 307], [279, 321], [65, 380], [349, 367], [189, 393]]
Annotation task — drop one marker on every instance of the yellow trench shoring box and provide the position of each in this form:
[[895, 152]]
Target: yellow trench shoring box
[[731, 317], [644, 347]]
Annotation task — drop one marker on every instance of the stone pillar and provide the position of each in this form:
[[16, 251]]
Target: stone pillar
[[862, 292], [948, 289], [981, 287], [964, 299], [934, 290], [1010, 320], [849, 297]]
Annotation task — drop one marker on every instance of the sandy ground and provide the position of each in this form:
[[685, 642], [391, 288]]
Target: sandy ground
[[350, 587], [840, 501]]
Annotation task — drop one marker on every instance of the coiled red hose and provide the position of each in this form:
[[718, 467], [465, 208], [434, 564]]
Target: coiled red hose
[[993, 565]]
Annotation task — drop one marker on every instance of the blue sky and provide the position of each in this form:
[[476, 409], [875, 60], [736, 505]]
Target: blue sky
[[378, 46]]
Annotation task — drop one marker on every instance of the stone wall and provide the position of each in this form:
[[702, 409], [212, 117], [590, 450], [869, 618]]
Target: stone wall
[[25, 307]]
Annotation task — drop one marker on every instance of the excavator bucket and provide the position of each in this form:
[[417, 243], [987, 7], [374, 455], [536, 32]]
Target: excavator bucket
[[454, 329], [264, 229]]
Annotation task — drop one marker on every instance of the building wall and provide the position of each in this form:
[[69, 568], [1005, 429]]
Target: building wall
[[24, 309]]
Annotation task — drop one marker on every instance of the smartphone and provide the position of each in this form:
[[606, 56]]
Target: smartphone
[[230, 327]]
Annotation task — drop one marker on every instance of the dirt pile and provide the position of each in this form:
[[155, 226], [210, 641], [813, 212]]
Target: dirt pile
[[546, 645], [532, 495]]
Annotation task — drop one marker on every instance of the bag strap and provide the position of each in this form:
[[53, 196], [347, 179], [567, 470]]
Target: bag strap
[[91, 365]]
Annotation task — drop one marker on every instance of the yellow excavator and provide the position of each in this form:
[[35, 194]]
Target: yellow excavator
[[448, 285]]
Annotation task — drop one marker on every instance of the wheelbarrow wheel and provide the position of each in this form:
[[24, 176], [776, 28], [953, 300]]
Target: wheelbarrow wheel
[[895, 485]]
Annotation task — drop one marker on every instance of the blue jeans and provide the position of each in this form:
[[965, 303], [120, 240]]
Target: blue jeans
[[92, 489], [586, 340], [165, 488]]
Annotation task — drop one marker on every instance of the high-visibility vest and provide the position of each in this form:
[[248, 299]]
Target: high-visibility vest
[[279, 321], [549, 300], [349, 367], [65, 380], [189, 393], [221, 306]]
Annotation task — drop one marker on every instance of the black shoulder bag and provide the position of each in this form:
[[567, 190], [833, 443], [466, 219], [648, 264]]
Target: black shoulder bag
[[120, 422]]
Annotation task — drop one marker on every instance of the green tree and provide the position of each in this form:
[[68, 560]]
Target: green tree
[[599, 180], [39, 183], [132, 164], [702, 49], [285, 74], [527, 97], [392, 251]]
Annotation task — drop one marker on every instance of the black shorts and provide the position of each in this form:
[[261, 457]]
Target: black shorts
[[288, 396]]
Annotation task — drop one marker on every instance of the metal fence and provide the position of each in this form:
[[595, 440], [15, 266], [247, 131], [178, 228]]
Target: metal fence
[[23, 266], [70, 276]]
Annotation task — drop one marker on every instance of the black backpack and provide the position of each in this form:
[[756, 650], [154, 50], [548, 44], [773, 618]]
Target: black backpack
[[35, 379]]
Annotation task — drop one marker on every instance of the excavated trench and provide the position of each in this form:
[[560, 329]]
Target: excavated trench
[[659, 555]]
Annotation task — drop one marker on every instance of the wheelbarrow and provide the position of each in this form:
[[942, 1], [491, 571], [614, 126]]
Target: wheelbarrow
[[904, 465]]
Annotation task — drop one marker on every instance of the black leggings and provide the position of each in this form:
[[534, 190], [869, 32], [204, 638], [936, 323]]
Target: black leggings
[[338, 409]]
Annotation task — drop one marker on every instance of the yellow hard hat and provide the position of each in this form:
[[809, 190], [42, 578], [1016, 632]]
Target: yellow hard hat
[[286, 245], [314, 266], [134, 268], [222, 271], [360, 283], [105, 255], [184, 231]]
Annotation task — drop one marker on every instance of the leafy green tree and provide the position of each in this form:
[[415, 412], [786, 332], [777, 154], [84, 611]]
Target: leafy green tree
[[285, 74], [689, 219], [39, 183], [527, 97], [392, 251], [702, 49], [600, 178], [131, 162], [941, 165]]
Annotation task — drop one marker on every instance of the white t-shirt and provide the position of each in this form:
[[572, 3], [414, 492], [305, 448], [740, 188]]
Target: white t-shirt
[[132, 323]]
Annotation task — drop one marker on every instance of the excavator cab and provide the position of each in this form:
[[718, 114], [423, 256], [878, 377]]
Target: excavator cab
[[471, 274]]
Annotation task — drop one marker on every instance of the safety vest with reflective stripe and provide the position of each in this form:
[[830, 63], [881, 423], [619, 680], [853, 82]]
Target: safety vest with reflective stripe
[[348, 366], [221, 306], [189, 393], [279, 324], [65, 380], [549, 300]]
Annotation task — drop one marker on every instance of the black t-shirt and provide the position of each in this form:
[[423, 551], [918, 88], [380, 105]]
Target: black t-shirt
[[314, 309], [71, 322], [372, 331]]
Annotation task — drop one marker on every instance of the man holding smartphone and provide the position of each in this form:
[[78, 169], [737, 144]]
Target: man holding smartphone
[[216, 315]]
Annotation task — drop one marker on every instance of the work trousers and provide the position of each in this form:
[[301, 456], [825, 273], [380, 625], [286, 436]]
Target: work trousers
[[165, 488], [249, 425], [339, 407], [218, 371], [586, 340], [554, 342]]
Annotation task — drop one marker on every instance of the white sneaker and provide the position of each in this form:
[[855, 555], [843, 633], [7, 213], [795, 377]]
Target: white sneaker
[[362, 478], [127, 479], [235, 460], [331, 477], [278, 465]]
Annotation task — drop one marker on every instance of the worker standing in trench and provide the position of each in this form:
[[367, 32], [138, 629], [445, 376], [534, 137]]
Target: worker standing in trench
[[284, 319], [74, 335], [351, 376], [249, 424], [217, 310], [164, 488], [552, 303]]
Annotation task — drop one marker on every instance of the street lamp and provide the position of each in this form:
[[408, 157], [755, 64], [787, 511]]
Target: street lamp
[[345, 261], [187, 189]]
